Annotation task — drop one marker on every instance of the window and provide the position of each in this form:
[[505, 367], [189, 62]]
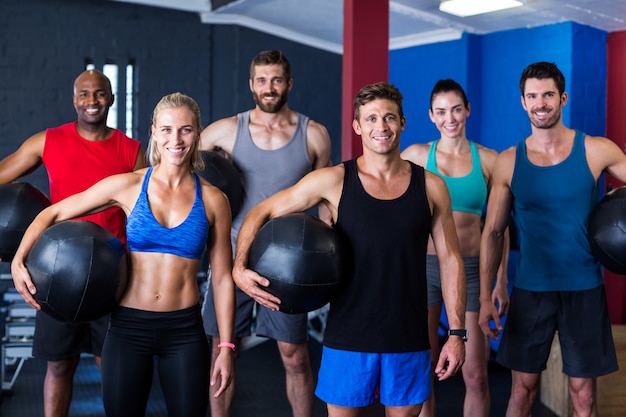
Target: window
[[122, 112]]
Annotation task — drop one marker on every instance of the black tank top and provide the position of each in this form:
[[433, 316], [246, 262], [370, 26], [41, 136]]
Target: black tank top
[[383, 307]]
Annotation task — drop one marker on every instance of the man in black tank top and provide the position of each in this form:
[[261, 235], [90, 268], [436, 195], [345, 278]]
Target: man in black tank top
[[376, 340]]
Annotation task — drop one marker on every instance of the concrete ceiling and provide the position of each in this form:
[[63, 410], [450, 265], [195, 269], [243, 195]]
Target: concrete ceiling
[[319, 23]]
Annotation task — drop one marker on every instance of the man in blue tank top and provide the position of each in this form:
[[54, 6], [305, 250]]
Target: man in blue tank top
[[558, 285], [376, 339], [273, 147]]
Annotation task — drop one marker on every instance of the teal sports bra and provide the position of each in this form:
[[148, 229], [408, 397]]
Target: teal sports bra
[[468, 193]]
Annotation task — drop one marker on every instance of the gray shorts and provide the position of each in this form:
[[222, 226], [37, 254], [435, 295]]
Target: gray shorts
[[472, 276], [289, 328]]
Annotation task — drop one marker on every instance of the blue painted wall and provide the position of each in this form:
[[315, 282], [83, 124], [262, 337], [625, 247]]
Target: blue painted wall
[[489, 68]]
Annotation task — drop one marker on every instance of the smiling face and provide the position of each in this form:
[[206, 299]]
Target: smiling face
[[449, 114], [270, 87], [379, 126], [175, 134], [542, 102], [92, 98]]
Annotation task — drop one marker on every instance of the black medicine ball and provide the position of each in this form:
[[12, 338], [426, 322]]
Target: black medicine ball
[[607, 231], [20, 203], [220, 172], [301, 256], [79, 269]]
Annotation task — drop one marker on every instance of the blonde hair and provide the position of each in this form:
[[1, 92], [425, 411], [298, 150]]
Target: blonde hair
[[168, 102]]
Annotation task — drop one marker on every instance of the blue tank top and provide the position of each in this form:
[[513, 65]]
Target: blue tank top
[[468, 193], [146, 234], [551, 205]]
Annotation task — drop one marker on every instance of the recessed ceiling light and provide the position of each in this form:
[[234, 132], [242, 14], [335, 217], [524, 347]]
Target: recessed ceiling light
[[465, 8]]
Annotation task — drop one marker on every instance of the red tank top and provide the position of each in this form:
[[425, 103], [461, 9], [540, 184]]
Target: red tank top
[[75, 164]]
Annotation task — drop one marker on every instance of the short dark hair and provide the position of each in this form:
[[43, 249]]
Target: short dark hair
[[446, 86], [380, 90], [271, 57], [540, 71]]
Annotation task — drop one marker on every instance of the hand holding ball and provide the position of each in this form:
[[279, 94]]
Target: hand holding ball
[[79, 270], [301, 256]]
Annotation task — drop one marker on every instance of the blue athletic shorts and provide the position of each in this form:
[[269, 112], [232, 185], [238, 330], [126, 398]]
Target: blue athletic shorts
[[351, 379]]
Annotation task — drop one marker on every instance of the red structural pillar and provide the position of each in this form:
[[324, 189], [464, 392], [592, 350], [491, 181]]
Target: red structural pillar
[[616, 131], [365, 60]]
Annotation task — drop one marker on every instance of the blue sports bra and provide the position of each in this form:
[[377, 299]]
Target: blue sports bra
[[468, 193], [146, 234]]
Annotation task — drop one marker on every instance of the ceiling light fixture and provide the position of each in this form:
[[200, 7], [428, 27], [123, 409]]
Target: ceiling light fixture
[[465, 8]]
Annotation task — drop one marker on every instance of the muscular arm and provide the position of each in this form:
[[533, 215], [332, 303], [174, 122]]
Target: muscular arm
[[500, 293], [452, 271], [23, 161], [319, 147], [115, 190], [323, 185], [220, 258], [492, 240], [604, 155], [220, 136]]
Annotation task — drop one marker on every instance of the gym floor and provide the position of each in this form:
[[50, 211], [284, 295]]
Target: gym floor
[[261, 390]]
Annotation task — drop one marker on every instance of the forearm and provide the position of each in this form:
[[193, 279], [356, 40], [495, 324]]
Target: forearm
[[503, 275], [491, 260], [224, 300], [453, 286]]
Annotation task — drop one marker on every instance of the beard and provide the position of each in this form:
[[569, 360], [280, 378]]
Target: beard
[[270, 107], [548, 123]]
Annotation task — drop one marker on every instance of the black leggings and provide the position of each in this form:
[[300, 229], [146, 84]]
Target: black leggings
[[177, 340]]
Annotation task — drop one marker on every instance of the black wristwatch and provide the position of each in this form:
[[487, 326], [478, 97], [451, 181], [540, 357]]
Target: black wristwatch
[[458, 332]]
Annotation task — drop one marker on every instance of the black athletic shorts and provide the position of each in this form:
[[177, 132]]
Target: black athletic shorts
[[580, 317], [55, 340]]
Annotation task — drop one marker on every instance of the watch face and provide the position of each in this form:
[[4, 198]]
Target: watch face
[[458, 332]]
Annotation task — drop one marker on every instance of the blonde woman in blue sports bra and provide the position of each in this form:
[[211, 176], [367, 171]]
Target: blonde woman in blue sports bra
[[173, 215], [466, 168]]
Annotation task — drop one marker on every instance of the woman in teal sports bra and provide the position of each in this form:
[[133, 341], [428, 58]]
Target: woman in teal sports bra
[[172, 217], [466, 168]]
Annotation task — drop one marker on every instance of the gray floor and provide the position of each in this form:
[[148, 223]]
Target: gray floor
[[260, 392]]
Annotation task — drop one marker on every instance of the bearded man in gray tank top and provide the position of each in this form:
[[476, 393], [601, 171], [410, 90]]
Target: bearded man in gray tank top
[[273, 147]]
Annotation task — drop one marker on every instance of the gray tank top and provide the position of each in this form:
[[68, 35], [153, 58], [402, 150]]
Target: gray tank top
[[265, 172]]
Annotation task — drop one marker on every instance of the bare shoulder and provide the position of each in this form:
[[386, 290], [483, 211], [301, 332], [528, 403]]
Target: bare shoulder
[[603, 154], [220, 135], [317, 134], [599, 144], [327, 176], [316, 129], [504, 166], [487, 154], [417, 153], [318, 144], [488, 158]]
